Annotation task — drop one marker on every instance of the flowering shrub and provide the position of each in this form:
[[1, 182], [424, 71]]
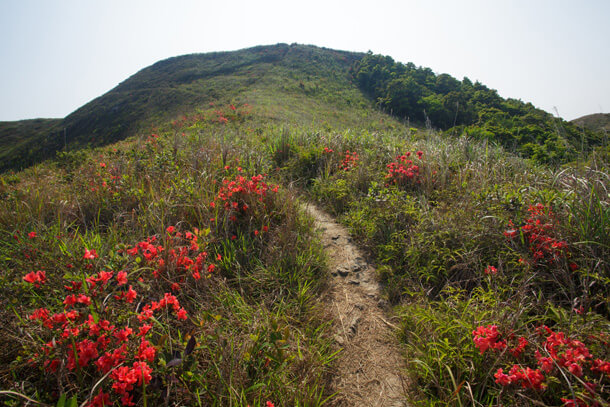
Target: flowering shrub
[[107, 329], [540, 236], [558, 359], [221, 115], [350, 161], [37, 278], [241, 198], [105, 180], [231, 114], [404, 172], [182, 259], [150, 321], [487, 338]]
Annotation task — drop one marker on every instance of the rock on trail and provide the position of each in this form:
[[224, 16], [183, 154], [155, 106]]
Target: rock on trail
[[369, 369]]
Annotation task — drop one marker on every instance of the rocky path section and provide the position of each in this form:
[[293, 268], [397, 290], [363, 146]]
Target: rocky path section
[[369, 370]]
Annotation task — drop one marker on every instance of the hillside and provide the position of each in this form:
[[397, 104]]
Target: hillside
[[314, 81], [280, 240], [314, 85], [18, 137], [464, 107], [598, 122]]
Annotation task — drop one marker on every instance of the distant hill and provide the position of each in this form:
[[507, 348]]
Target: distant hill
[[595, 122], [180, 84], [298, 84], [17, 137]]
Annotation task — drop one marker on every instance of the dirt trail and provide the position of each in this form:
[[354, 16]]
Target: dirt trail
[[369, 370]]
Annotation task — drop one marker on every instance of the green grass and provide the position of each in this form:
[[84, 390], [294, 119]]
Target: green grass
[[433, 239], [259, 331], [255, 321], [293, 83], [597, 122], [434, 236]]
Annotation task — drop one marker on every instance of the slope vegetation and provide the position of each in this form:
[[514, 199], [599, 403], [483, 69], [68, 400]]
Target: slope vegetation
[[463, 107], [19, 137], [177, 266], [315, 82], [599, 122]]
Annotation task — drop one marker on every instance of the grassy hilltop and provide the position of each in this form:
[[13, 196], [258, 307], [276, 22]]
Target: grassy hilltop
[[316, 85], [163, 256], [181, 84], [599, 122]]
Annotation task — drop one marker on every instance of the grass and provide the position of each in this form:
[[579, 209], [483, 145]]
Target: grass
[[312, 83], [257, 331], [254, 328], [433, 237]]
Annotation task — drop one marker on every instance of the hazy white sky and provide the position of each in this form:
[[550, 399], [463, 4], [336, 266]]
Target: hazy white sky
[[57, 55]]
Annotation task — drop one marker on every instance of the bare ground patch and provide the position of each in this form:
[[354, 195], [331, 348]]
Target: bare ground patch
[[370, 367]]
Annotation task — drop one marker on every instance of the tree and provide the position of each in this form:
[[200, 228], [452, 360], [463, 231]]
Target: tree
[[404, 97]]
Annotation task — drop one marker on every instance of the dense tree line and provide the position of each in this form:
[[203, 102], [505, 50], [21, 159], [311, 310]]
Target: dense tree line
[[420, 95]]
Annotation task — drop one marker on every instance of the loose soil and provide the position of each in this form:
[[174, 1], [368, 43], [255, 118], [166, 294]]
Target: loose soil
[[369, 369]]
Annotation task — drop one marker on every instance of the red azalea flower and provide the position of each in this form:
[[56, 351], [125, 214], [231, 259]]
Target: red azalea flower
[[40, 313], [36, 277], [83, 299], [70, 300], [181, 314], [123, 334], [487, 338], [104, 276], [517, 350], [491, 270], [144, 329], [502, 378], [511, 233], [87, 350], [142, 372], [601, 366], [130, 295], [146, 351], [121, 277], [90, 254], [101, 400]]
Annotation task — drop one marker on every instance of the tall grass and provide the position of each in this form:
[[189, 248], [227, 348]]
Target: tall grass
[[435, 236], [257, 331]]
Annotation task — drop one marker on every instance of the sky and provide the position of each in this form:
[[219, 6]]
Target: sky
[[55, 56]]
